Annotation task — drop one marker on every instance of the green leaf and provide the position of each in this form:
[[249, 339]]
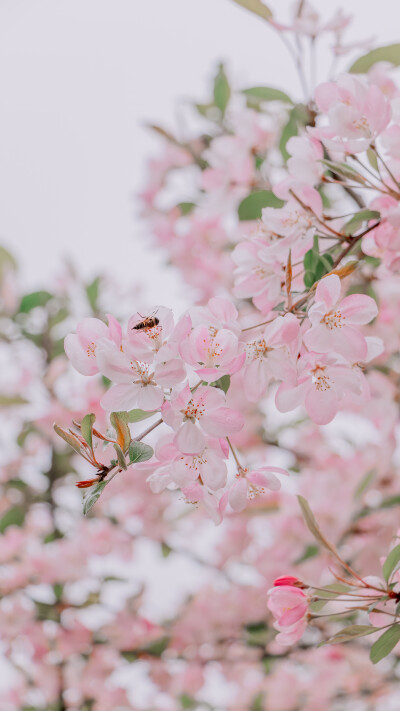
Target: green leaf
[[310, 552], [266, 93], [93, 496], [222, 90], [222, 383], [311, 260], [344, 170], [384, 645], [258, 702], [363, 485], [12, 400], [309, 279], [92, 293], [312, 525], [140, 452], [291, 129], [256, 7], [119, 421], [250, 208], [120, 457], [31, 301], [390, 53], [138, 415], [87, 427], [351, 632], [69, 438], [372, 159], [357, 220], [12, 517], [186, 207], [391, 562], [165, 549]]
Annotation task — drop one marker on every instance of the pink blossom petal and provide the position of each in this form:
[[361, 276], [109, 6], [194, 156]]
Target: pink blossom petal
[[83, 360], [328, 290], [222, 422], [238, 495], [189, 439], [321, 405], [120, 397], [359, 308]]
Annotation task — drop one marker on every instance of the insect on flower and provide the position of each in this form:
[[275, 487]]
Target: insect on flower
[[147, 322]]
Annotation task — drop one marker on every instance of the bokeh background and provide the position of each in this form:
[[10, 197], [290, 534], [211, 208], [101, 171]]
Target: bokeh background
[[79, 79]]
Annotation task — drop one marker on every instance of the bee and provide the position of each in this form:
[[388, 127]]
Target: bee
[[147, 322]]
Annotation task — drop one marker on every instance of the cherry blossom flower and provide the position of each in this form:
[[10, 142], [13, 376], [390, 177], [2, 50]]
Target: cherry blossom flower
[[323, 382], [334, 322], [253, 483], [357, 114], [194, 415], [272, 356], [81, 347], [289, 605]]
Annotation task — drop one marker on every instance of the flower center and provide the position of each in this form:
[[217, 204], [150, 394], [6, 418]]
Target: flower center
[[193, 411], [91, 350], [333, 320], [319, 378]]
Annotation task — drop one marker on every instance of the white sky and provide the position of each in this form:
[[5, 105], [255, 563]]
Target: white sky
[[78, 79]]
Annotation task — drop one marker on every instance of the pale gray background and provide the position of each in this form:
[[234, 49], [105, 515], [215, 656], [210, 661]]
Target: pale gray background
[[78, 79]]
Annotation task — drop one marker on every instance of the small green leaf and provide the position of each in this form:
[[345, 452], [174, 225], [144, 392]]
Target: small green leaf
[[31, 301], [372, 159], [93, 496], [309, 279], [384, 645], [138, 415], [222, 383], [140, 452], [344, 170], [312, 525], [257, 7], [266, 93], [222, 90], [390, 53], [310, 552], [12, 517], [186, 207], [291, 129], [12, 400], [120, 457], [258, 702], [92, 293], [87, 427], [311, 260], [165, 549], [69, 438], [364, 483], [391, 562], [119, 421], [251, 207], [357, 220], [351, 632]]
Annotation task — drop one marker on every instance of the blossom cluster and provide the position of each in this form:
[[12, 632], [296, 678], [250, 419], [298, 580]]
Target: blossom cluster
[[288, 235]]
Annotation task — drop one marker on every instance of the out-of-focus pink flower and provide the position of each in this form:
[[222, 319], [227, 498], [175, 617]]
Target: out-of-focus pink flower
[[357, 114], [289, 605]]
